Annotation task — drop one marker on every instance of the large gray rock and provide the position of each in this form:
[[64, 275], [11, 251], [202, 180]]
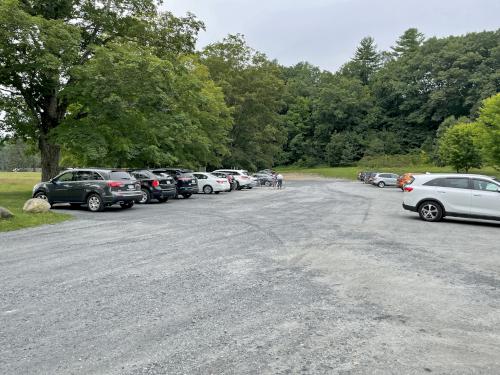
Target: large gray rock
[[5, 213], [36, 206]]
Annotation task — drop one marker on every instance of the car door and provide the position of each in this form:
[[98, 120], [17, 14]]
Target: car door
[[61, 187], [455, 194], [202, 181], [485, 199], [393, 180], [81, 184]]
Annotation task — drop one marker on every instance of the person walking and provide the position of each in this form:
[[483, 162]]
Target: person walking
[[279, 180], [275, 180]]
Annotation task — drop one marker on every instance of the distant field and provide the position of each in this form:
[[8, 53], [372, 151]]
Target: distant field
[[15, 189], [351, 173]]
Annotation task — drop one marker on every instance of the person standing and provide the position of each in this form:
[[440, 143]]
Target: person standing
[[279, 180]]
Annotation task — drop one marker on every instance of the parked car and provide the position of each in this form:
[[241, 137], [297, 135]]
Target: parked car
[[96, 188], [435, 196], [185, 181], [209, 183], [229, 177], [405, 179], [154, 186], [385, 179], [264, 179], [368, 179], [265, 171], [241, 176]]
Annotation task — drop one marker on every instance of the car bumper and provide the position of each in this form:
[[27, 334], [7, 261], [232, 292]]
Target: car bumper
[[162, 194], [123, 196], [188, 190], [409, 208]]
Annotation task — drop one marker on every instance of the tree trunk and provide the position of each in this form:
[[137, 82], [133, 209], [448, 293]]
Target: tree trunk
[[50, 154]]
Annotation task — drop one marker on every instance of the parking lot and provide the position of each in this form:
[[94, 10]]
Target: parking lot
[[325, 276]]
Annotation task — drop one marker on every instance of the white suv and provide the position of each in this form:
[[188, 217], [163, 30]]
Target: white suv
[[241, 177], [435, 196]]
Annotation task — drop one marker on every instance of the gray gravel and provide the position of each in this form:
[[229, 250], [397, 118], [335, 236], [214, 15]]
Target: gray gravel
[[323, 277]]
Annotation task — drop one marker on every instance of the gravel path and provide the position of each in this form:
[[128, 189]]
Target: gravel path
[[323, 277]]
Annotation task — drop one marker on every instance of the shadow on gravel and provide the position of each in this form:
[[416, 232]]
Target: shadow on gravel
[[459, 221]]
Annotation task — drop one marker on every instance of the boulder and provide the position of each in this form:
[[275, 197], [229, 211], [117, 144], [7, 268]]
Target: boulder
[[36, 206], [5, 213]]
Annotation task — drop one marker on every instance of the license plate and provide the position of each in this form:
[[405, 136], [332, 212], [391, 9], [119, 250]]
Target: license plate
[[193, 181], [131, 187]]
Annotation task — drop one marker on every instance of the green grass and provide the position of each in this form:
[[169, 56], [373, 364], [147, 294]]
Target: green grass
[[15, 189], [351, 173]]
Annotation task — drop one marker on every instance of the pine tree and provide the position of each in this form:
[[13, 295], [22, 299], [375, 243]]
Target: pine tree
[[409, 42]]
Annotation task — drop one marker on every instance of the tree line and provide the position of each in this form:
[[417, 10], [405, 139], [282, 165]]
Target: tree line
[[120, 83]]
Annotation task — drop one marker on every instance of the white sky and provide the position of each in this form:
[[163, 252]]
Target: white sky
[[326, 32]]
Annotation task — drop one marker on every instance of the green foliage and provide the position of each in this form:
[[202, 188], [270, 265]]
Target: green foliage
[[253, 90], [458, 147], [118, 120], [489, 121]]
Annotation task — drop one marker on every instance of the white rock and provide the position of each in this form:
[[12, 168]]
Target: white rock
[[36, 206]]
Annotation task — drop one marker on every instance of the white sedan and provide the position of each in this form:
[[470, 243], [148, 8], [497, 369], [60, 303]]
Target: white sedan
[[209, 183]]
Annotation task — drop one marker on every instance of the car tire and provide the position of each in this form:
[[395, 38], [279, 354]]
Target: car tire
[[207, 189], [186, 196], [127, 205], [95, 203], [381, 184], [146, 197], [163, 200], [430, 211]]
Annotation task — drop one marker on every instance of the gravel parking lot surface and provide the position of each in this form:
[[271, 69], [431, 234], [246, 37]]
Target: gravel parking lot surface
[[323, 277]]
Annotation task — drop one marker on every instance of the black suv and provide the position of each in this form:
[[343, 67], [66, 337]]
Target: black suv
[[97, 188], [154, 186], [186, 183]]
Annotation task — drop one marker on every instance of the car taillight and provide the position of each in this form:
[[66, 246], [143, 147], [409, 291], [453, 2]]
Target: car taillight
[[156, 183], [408, 189], [245, 177], [115, 184]]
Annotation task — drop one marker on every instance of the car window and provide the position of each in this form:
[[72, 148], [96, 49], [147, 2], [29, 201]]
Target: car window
[[96, 176], [68, 176], [200, 176], [118, 175], [450, 182], [484, 185], [83, 176]]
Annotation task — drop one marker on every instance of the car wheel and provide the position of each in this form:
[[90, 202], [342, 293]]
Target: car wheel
[[145, 198], [381, 184], [430, 211], [127, 205], [207, 189], [42, 195], [95, 203], [186, 196]]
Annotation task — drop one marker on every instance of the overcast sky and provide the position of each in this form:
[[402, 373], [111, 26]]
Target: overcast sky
[[326, 32]]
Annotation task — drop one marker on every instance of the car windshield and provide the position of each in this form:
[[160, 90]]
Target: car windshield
[[120, 176]]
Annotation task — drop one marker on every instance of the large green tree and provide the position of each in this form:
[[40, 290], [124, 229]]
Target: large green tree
[[44, 43]]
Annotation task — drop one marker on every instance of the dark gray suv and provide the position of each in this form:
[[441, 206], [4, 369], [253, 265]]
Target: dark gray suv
[[96, 188]]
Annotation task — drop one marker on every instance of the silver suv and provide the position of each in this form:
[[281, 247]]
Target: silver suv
[[385, 179], [435, 196]]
